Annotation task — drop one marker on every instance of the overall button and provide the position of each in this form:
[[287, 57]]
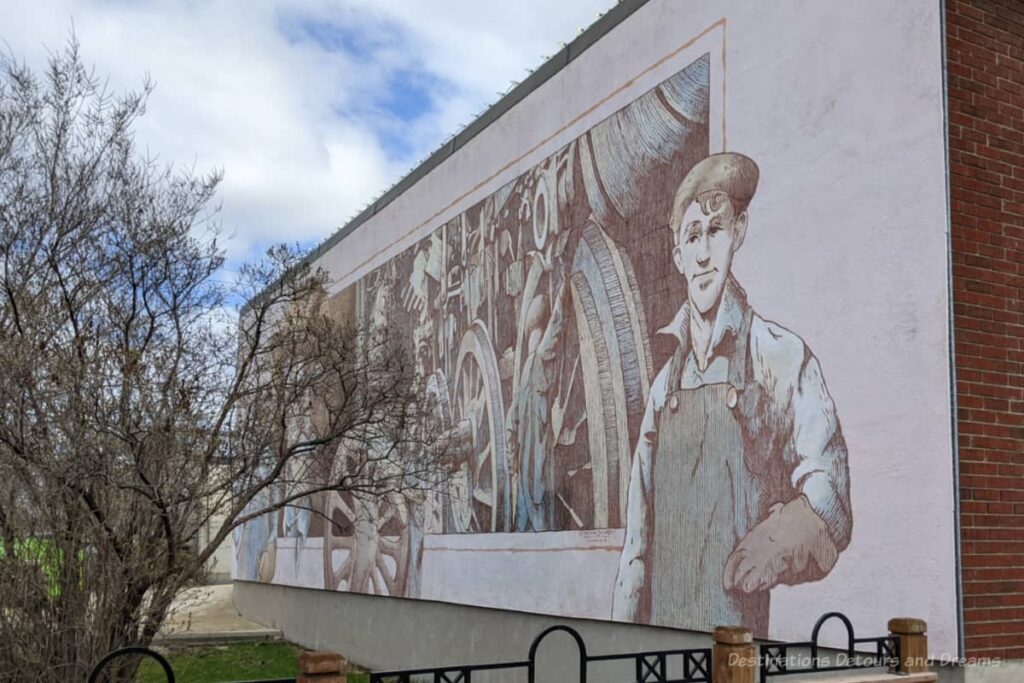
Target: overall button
[[673, 403], [731, 397]]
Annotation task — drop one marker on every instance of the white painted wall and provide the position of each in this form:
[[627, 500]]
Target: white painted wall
[[840, 104]]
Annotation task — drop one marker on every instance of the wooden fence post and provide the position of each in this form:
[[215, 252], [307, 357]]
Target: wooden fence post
[[913, 635], [733, 655], [321, 667]]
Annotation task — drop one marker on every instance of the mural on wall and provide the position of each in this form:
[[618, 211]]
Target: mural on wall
[[584, 341], [740, 478]]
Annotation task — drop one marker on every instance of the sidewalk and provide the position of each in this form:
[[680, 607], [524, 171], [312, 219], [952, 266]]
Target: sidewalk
[[207, 616]]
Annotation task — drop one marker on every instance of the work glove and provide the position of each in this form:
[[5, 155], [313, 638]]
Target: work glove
[[791, 545]]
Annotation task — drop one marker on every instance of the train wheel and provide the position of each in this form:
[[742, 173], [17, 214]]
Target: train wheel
[[370, 544], [615, 360], [478, 490]]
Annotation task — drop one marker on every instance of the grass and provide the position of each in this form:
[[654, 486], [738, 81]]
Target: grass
[[43, 553], [220, 663]]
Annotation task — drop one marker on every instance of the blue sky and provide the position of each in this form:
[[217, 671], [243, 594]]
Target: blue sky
[[409, 92], [312, 108]]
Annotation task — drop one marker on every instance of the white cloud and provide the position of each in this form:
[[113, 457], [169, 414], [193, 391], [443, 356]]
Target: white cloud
[[298, 125]]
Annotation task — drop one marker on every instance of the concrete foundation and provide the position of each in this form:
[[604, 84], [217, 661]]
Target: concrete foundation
[[1002, 672], [391, 633], [387, 633]]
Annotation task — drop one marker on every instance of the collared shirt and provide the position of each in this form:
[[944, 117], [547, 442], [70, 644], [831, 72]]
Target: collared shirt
[[727, 326], [799, 431]]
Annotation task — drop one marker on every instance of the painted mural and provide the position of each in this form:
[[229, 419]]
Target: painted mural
[[585, 342]]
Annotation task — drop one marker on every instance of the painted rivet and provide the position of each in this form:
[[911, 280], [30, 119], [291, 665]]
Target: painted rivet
[[673, 403], [731, 397]]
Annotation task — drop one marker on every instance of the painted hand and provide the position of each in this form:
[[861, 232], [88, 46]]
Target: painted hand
[[791, 545]]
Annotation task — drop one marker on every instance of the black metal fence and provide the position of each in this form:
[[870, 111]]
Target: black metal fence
[[101, 667], [655, 666], [694, 665], [686, 666], [782, 659], [99, 673]]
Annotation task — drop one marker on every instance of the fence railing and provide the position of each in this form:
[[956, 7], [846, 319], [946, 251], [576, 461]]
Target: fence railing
[[695, 664], [99, 672], [777, 659], [101, 666], [733, 658]]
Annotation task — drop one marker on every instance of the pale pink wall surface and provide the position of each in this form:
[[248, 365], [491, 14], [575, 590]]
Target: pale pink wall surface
[[840, 104]]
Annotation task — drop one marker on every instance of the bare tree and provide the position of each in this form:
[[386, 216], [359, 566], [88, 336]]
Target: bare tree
[[133, 402]]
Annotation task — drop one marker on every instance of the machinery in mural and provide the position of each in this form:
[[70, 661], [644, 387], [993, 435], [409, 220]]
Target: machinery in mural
[[533, 331]]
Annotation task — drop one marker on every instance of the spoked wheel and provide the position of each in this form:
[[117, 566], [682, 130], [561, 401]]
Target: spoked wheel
[[438, 427], [371, 544], [615, 367], [478, 489]]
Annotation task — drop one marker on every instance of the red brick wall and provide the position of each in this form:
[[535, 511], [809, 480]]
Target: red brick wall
[[985, 40]]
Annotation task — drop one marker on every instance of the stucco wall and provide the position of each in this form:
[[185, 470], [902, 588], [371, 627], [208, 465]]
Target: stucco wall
[[841, 253]]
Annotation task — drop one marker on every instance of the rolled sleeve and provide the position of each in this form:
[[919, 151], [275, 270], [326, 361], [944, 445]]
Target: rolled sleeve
[[802, 425], [821, 473]]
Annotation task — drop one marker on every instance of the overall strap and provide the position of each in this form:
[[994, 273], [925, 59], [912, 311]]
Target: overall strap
[[739, 364], [675, 368]]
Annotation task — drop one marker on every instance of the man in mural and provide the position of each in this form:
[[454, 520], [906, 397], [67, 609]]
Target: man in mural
[[739, 480]]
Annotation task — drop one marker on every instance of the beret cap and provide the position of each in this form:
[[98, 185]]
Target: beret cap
[[732, 173]]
